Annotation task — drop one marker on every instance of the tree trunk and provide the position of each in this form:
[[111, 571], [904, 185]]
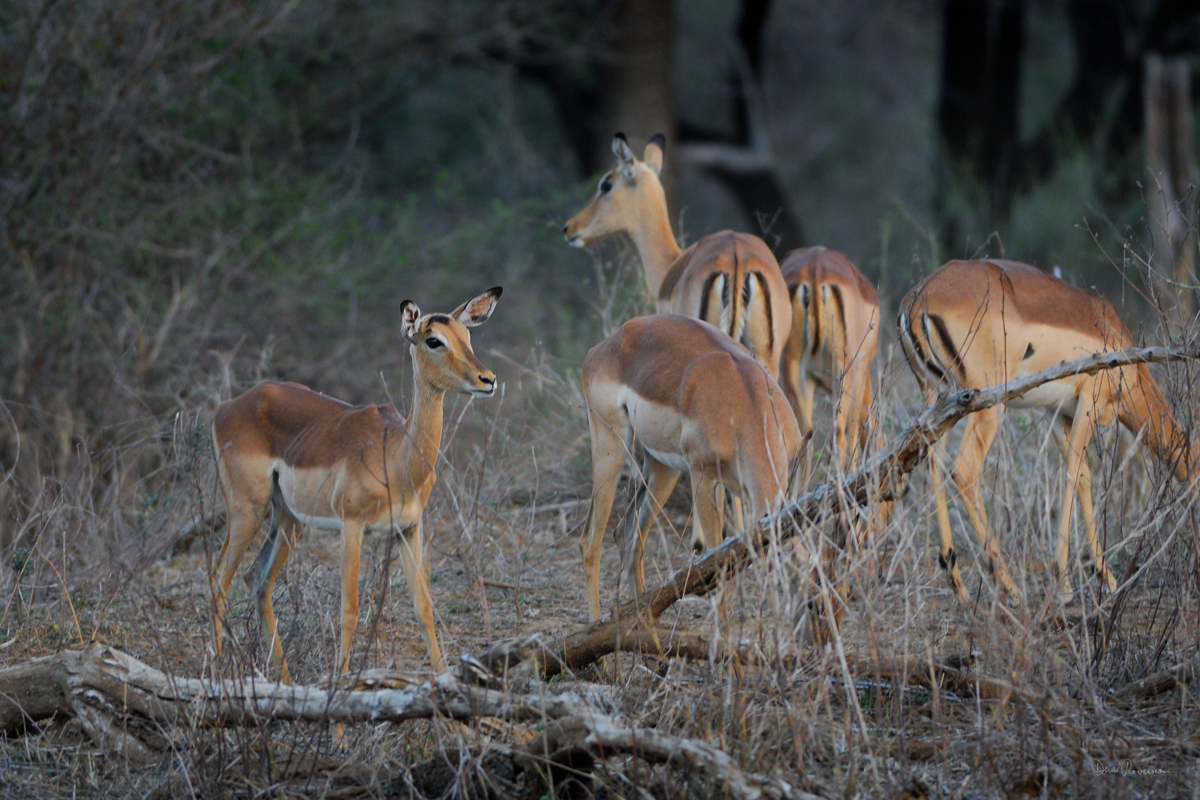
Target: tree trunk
[[982, 45], [1171, 191], [639, 88]]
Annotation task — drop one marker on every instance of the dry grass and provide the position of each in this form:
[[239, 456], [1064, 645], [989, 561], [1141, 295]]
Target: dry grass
[[504, 524]]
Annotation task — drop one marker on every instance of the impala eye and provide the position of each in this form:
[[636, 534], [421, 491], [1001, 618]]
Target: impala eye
[[605, 184], [433, 343]]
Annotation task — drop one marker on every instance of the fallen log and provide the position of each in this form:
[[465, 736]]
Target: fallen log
[[1162, 682], [102, 681], [128, 708], [634, 624]]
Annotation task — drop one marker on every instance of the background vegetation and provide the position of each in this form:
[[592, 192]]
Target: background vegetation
[[197, 195]]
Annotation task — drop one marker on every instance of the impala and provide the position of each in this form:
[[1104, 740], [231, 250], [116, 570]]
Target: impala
[[979, 323], [696, 401], [834, 336], [729, 279], [313, 460]]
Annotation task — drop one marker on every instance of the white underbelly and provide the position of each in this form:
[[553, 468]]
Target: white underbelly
[[672, 460], [657, 427], [1059, 396], [320, 523]]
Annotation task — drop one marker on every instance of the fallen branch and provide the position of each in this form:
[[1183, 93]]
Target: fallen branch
[[1162, 682], [601, 736], [195, 528], [958, 679], [128, 708], [632, 625], [101, 681]]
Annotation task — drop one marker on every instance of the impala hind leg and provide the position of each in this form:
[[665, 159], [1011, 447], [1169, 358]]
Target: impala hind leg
[[946, 554], [285, 529], [608, 456], [1078, 433], [412, 560], [245, 513], [708, 511], [800, 388], [968, 467], [660, 480]]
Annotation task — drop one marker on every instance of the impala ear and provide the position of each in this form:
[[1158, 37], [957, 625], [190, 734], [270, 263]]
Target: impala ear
[[625, 158], [476, 310], [410, 319], [653, 155]]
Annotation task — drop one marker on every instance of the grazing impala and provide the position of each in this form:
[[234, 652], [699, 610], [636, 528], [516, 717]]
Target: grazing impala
[[979, 323], [729, 279], [835, 333], [316, 461], [696, 401]]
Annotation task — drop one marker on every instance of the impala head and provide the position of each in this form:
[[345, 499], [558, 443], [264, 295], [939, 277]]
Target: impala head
[[623, 196], [441, 345]]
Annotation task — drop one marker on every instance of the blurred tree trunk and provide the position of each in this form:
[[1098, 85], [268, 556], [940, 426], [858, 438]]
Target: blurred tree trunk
[[1167, 99], [631, 89], [1111, 38], [982, 45], [744, 163], [638, 84]]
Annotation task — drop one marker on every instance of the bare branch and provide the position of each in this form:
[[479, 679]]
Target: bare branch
[[633, 625]]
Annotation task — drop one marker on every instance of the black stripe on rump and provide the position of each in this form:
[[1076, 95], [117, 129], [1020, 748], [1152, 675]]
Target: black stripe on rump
[[837, 295], [929, 363], [766, 296], [940, 326], [815, 316], [705, 293]]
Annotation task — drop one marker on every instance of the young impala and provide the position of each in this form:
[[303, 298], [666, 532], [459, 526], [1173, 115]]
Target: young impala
[[696, 401], [979, 323], [835, 333], [313, 460], [729, 279]]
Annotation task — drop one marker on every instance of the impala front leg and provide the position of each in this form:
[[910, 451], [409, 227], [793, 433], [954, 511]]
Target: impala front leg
[[414, 573], [352, 533]]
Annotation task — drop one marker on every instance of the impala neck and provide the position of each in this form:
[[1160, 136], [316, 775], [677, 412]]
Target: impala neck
[[418, 452], [655, 243], [1148, 410]]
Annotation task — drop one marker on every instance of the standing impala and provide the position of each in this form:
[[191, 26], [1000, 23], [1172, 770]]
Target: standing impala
[[696, 401], [980, 323], [729, 279], [835, 333], [314, 460]]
